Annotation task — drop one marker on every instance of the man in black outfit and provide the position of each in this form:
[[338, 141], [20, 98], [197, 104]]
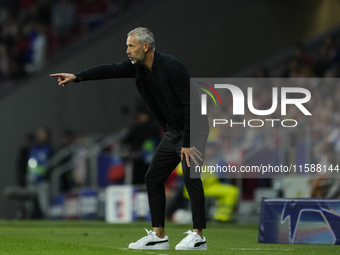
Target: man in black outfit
[[164, 84]]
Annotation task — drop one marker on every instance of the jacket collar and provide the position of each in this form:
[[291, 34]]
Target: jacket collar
[[156, 60], [140, 69]]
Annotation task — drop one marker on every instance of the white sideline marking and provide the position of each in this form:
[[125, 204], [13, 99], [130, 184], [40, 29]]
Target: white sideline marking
[[259, 249]]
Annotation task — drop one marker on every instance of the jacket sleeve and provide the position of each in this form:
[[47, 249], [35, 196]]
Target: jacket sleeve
[[124, 69], [180, 81]]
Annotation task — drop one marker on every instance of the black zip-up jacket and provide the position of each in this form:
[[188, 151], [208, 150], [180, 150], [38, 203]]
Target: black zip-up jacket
[[174, 80]]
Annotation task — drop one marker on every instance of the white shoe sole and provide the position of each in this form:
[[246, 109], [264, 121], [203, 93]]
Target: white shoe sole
[[154, 247], [200, 248]]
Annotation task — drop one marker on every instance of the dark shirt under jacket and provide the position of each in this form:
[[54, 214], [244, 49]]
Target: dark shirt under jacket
[[153, 80], [174, 81]]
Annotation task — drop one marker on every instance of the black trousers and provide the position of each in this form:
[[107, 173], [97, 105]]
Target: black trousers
[[165, 160]]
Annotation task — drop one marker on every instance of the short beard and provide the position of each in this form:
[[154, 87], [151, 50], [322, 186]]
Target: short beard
[[135, 60]]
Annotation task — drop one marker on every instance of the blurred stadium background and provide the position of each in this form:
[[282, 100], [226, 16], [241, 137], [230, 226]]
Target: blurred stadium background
[[98, 134]]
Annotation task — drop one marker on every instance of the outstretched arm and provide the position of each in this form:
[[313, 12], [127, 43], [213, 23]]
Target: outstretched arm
[[124, 69], [64, 78]]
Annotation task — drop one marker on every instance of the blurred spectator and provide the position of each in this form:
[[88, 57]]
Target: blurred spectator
[[66, 179], [141, 141], [10, 29], [20, 46], [4, 65], [37, 172], [36, 52], [92, 13], [306, 71], [63, 17], [226, 194], [329, 55], [333, 71], [22, 159], [79, 158], [21, 164], [301, 54], [293, 69]]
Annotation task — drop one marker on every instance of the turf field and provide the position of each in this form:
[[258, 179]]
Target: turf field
[[99, 238]]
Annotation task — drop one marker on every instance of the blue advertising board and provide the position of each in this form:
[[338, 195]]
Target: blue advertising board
[[300, 221]]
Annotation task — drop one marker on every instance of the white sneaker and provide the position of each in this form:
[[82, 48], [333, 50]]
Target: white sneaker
[[192, 241], [151, 242]]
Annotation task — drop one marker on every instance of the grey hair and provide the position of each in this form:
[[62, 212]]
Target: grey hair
[[143, 35]]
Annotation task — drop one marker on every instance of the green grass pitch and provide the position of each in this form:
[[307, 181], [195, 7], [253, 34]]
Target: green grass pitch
[[99, 238]]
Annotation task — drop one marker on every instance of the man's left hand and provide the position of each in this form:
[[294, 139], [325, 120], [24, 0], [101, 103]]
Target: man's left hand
[[192, 153]]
